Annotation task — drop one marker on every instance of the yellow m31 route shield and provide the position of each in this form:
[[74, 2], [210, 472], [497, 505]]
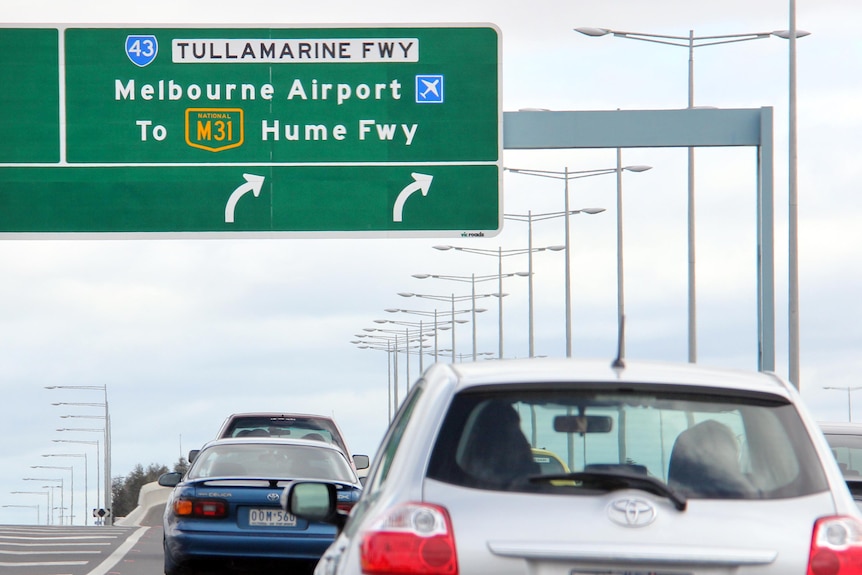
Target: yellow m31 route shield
[[214, 129]]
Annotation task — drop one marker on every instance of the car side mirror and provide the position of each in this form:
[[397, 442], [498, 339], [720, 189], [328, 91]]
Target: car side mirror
[[170, 479], [193, 454], [362, 461], [313, 502]]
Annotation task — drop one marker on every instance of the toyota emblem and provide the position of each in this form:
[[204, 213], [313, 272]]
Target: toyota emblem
[[632, 512], [273, 496]]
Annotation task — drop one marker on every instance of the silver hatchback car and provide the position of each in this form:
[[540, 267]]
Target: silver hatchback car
[[672, 470]]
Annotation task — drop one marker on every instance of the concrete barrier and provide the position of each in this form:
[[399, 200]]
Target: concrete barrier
[[151, 495]]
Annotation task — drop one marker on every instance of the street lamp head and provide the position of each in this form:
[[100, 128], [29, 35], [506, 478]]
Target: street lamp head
[[406, 294], [421, 276], [556, 248], [786, 34], [638, 168], [443, 248], [522, 274], [392, 310], [591, 211], [589, 31]]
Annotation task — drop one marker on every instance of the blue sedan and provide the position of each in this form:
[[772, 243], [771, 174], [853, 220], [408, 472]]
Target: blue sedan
[[225, 512]]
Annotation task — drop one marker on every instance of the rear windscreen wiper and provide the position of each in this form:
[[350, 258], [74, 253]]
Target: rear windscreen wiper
[[614, 481]]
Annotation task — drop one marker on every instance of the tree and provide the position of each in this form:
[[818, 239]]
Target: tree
[[181, 466]]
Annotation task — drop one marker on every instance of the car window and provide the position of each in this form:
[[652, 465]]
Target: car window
[[294, 427], [393, 439], [847, 450], [257, 460], [702, 446], [385, 455]]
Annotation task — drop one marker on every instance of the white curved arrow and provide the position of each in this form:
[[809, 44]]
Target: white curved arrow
[[420, 182], [252, 184]]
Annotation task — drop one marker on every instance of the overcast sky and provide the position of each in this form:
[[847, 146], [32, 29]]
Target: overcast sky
[[184, 332]]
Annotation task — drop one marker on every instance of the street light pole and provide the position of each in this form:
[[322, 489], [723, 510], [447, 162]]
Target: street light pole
[[691, 42], [47, 501], [107, 442], [377, 345], [849, 405], [530, 217], [86, 488], [500, 253], [793, 214], [452, 298], [567, 175], [96, 443], [52, 487], [71, 471], [472, 278]]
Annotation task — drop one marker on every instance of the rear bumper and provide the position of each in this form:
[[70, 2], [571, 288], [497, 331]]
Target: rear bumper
[[200, 545]]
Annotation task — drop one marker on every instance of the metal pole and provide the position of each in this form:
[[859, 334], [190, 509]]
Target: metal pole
[[568, 269], [621, 310], [793, 193], [109, 494], [692, 294], [473, 310], [62, 499], [395, 371], [98, 473], [72, 496], [407, 354], [421, 353], [500, 299], [530, 280], [86, 489], [453, 328], [435, 335], [389, 377]]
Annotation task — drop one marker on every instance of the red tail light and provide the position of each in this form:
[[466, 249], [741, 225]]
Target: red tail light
[[345, 506], [836, 547], [414, 538], [206, 508]]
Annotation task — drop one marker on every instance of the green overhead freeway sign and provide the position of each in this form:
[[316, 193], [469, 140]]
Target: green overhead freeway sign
[[379, 131]]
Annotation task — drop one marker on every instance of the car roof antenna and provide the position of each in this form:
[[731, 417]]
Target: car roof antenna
[[620, 361]]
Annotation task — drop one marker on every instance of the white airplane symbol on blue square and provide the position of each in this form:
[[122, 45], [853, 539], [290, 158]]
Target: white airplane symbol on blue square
[[429, 88]]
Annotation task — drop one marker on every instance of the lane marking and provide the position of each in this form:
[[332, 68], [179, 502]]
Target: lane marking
[[119, 553]]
